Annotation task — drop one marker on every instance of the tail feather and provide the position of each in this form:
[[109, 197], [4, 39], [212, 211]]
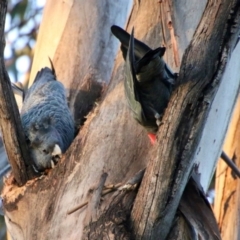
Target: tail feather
[[131, 81], [140, 48]]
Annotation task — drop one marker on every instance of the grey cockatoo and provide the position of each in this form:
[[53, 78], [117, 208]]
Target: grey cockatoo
[[46, 119]]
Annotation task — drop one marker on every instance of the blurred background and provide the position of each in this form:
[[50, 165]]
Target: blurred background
[[21, 29]]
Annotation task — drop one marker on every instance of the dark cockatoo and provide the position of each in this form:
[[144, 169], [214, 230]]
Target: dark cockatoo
[[46, 119], [148, 84], [148, 81]]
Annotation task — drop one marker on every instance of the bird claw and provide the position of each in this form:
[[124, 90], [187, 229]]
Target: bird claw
[[159, 122], [158, 119], [157, 115]]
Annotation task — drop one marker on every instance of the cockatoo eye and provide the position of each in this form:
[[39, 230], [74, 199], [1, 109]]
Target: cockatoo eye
[[45, 151]]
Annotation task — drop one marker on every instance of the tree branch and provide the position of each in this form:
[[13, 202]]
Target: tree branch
[[167, 174], [13, 135]]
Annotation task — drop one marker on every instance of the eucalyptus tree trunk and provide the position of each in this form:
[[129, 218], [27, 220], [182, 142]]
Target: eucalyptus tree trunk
[[227, 200], [111, 147]]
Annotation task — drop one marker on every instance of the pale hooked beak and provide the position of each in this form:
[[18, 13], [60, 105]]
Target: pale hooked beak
[[57, 151]]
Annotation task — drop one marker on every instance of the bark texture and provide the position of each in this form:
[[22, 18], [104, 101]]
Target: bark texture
[[110, 140], [171, 161], [227, 184]]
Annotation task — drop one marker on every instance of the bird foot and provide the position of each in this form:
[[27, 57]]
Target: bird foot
[[159, 122], [158, 119]]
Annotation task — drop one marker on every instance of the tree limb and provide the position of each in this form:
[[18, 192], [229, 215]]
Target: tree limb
[[13, 135], [184, 120]]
